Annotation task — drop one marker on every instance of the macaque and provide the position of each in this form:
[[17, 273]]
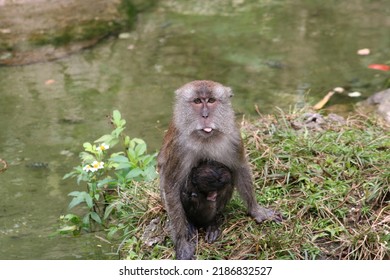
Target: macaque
[[205, 196], [203, 128]]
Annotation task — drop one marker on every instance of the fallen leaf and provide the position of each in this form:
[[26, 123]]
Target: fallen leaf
[[363, 52], [5, 30], [354, 94], [338, 89], [323, 101], [49, 82], [382, 67], [124, 36]]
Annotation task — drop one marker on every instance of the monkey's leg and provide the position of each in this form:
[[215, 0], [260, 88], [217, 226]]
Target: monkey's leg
[[185, 239], [183, 232]]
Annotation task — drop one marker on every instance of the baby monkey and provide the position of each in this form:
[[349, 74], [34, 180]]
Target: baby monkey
[[209, 188]]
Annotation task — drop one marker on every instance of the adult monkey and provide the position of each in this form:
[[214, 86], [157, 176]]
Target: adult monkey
[[202, 128]]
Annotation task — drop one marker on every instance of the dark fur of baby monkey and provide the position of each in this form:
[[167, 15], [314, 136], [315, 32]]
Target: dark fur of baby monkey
[[205, 196]]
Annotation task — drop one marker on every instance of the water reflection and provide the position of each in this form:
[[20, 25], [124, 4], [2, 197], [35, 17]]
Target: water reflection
[[272, 53]]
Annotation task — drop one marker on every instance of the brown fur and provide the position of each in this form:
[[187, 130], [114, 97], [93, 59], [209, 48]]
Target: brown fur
[[186, 144]]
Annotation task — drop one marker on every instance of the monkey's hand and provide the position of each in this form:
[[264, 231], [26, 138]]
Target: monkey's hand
[[261, 214], [212, 233]]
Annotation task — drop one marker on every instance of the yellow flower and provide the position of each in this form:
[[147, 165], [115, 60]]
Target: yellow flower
[[103, 147], [96, 165], [87, 168]]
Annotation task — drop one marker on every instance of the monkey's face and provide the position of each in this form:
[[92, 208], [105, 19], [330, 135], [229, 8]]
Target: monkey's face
[[204, 105], [203, 108]]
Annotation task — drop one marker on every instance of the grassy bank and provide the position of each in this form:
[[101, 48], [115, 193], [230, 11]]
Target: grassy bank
[[329, 178]]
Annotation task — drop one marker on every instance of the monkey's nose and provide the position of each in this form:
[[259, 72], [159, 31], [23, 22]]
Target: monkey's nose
[[205, 113]]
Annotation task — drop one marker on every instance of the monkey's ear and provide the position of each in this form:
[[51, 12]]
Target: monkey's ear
[[229, 91]]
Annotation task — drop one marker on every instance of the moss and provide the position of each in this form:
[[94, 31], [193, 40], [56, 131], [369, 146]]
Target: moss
[[81, 32], [93, 29]]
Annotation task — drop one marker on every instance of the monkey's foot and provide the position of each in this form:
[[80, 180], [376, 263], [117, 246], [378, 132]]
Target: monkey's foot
[[186, 245], [261, 214], [185, 250], [212, 233]]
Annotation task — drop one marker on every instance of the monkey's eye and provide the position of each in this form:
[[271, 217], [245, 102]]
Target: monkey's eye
[[197, 101], [211, 100]]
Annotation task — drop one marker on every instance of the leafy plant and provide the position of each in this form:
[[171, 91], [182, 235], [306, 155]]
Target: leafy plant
[[107, 175]]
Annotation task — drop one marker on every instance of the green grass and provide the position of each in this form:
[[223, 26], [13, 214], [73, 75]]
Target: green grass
[[330, 184]]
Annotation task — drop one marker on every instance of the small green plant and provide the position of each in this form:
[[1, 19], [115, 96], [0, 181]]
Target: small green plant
[[107, 176]]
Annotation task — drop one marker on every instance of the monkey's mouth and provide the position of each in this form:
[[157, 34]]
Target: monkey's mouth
[[212, 196], [207, 129]]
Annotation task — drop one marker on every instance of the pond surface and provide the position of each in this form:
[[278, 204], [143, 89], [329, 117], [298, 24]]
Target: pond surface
[[272, 53]]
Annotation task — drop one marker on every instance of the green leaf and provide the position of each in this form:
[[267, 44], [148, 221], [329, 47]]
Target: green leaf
[[76, 201], [105, 181], [72, 218], [86, 220], [149, 159], [74, 193], [105, 139], [87, 157], [116, 116], [127, 141], [108, 211], [88, 147], [88, 200], [119, 159], [82, 177], [116, 154], [96, 217], [117, 131], [123, 165], [131, 154], [138, 141], [140, 149], [150, 173], [120, 162], [117, 119], [112, 232], [134, 173], [68, 175], [67, 229]]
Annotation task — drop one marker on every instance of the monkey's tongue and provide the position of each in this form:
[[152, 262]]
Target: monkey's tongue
[[207, 129], [212, 196]]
